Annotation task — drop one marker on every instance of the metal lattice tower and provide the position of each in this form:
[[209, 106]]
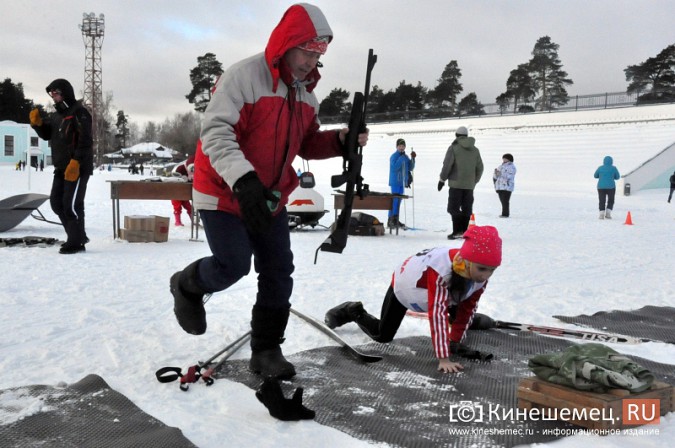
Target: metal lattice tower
[[93, 29]]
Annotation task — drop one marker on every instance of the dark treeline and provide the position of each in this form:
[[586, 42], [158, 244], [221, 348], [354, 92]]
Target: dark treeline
[[539, 84]]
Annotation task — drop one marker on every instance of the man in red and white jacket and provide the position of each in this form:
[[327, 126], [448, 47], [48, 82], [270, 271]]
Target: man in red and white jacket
[[262, 114], [444, 282]]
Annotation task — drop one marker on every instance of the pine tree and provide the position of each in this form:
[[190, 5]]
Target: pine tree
[[519, 87], [13, 104], [203, 78], [548, 78], [122, 128], [655, 76], [448, 88], [469, 105], [335, 104]]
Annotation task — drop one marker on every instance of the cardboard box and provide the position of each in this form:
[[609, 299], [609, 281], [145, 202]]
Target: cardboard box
[[145, 229], [555, 400], [139, 222], [137, 236], [161, 229]]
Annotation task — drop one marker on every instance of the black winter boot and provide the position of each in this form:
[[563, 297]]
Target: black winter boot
[[482, 322], [188, 305], [267, 334], [342, 314]]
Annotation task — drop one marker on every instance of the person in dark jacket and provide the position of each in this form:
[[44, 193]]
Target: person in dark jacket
[[606, 174], [672, 187], [400, 177], [263, 113], [462, 168], [73, 160]]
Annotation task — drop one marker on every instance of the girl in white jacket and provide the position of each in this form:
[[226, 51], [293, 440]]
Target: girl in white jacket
[[445, 283], [504, 177]]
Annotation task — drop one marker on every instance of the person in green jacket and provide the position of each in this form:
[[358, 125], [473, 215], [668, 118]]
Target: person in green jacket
[[462, 169]]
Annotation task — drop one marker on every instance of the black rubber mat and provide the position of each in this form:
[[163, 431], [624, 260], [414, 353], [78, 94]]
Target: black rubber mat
[[404, 401], [87, 414], [653, 322]]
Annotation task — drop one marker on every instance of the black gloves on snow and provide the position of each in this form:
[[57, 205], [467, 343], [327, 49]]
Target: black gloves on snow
[[463, 351], [253, 199], [269, 393], [440, 185]]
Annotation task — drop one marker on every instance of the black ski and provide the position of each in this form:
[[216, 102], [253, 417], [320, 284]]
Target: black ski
[[360, 356], [588, 336]]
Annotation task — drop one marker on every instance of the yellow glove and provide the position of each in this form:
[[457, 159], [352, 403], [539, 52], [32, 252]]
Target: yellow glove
[[72, 171], [35, 118]]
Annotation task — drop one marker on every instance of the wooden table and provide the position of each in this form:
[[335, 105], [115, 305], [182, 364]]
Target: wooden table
[[373, 201], [145, 190]]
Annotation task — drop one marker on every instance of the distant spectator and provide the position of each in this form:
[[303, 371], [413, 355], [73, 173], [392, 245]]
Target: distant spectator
[[185, 170], [400, 166], [606, 175], [462, 169], [504, 177], [672, 187]]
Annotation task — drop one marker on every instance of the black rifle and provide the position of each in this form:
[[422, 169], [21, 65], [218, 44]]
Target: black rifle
[[351, 168]]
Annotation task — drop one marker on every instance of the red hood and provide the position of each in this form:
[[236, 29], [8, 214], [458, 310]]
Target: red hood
[[300, 23]]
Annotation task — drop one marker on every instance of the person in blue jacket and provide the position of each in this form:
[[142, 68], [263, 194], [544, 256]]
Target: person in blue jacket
[[400, 177], [606, 174]]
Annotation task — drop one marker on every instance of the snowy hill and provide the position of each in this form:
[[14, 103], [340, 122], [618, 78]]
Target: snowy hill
[[108, 311]]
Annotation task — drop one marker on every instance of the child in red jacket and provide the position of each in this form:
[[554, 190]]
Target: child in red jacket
[[444, 282]]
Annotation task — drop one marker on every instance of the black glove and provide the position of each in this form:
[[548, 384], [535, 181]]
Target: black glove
[[440, 185], [413, 154], [252, 196], [463, 351], [269, 393], [410, 180]]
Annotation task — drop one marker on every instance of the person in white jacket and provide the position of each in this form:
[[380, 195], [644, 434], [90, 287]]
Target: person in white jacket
[[504, 177]]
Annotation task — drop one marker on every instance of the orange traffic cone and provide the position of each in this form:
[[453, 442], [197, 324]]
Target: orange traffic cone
[[629, 220], [472, 221]]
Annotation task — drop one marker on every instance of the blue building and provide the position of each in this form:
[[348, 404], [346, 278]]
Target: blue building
[[15, 141]]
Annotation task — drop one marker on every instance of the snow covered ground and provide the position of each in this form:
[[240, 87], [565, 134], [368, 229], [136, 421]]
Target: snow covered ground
[[109, 311]]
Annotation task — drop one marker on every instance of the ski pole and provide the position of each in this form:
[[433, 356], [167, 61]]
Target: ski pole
[[413, 200], [226, 348], [237, 345], [169, 374]]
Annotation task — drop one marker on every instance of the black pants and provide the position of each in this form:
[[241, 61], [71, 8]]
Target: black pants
[[606, 195], [460, 207], [670, 196], [233, 247], [384, 329], [67, 202], [504, 198]]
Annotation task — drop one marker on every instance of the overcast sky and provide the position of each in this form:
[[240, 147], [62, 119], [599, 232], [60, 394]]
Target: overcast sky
[[150, 46]]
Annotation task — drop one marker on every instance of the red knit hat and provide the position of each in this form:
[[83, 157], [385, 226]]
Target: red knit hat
[[482, 245]]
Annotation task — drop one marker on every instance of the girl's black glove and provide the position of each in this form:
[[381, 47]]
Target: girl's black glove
[[465, 352]]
